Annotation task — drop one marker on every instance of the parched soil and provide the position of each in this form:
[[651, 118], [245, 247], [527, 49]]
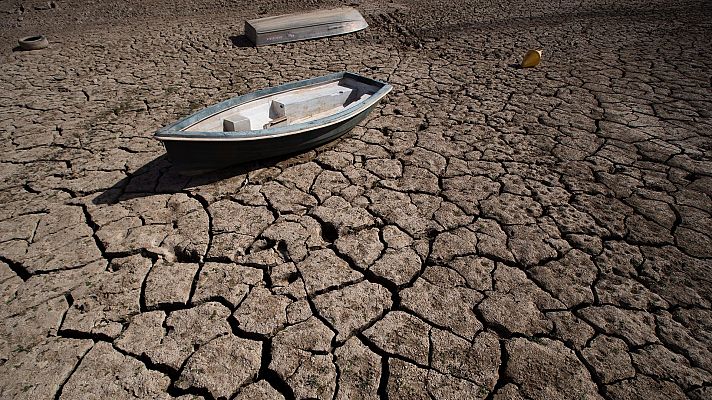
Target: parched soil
[[489, 232]]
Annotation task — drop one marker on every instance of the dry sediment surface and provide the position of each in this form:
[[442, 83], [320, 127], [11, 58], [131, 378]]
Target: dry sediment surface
[[489, 232]]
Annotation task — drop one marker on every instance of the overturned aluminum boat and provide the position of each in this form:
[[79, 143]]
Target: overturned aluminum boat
[[271, 122], [311, 25]]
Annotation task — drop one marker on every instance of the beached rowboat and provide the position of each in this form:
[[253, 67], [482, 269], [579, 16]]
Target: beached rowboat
[[310, 25], [285, 119]]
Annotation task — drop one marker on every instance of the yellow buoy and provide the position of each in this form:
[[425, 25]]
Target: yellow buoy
[[531, 59]]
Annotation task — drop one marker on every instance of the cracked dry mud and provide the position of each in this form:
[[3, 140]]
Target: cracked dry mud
[[487, 233]]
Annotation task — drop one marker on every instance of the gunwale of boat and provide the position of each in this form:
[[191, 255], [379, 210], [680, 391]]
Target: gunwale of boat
[[177, 132]]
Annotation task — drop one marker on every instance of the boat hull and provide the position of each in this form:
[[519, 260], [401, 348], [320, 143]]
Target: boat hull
[[311, 25], [198, 157], [195, 151]]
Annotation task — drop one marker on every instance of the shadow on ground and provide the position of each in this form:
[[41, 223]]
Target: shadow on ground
[[159, 176], [241, 41]]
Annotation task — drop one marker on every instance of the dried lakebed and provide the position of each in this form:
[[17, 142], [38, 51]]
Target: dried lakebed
[[488, 232]]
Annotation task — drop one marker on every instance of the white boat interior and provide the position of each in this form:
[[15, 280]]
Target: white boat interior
[[291, 107]]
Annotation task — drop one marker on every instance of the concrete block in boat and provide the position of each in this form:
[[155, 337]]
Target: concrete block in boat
[[311, 25], [271, 122]]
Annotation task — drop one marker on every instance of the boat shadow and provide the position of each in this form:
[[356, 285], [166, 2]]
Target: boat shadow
[[158, 177], [241, 41]]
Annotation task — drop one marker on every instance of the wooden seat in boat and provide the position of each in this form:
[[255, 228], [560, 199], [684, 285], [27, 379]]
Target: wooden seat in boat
[[308, 106], [287, 111], [236, 123]]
